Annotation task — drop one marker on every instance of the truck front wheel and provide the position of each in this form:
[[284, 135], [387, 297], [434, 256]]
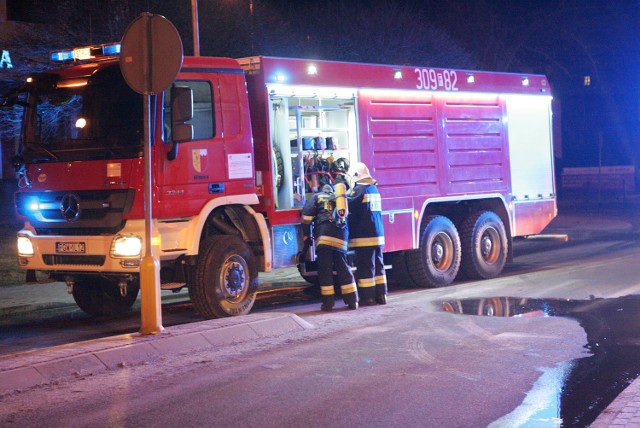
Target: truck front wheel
[[226, 278], [101, 297], [437, 261], [484, 245]]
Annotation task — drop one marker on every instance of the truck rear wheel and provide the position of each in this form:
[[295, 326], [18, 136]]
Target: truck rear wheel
[[226, 278], [437, 261], [101, 297], [399, 275], [484, 245]]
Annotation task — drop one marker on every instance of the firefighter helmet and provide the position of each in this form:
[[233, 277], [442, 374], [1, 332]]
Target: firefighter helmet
[[360, 172], [326, 188]]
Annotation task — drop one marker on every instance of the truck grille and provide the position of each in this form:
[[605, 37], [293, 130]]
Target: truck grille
[[93, 212], [56, 260]]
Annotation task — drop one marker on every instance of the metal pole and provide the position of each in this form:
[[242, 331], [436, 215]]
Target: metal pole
[[150, 302], [252, 29], [196, 30]]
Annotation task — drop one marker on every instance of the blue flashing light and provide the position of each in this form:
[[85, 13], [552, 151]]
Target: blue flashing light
[[87, 53], [111, 49], [33, 205], [62, 56]]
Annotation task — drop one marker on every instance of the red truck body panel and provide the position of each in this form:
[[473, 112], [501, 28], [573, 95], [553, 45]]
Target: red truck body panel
[[428, 135]]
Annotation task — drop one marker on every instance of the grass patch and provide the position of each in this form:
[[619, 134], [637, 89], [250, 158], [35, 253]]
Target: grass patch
[[10, 272]]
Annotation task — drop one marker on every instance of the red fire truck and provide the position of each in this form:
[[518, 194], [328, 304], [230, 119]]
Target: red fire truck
[[463, 160]]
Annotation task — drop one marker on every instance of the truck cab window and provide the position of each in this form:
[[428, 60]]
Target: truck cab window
[[82, 118], [203, 118]]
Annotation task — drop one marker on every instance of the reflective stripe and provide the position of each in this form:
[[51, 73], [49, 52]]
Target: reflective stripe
[[329, 241], [374, 201], [348, 288], [376, 241], [381, 279], [366, 282], [327, 290], [371, 197]]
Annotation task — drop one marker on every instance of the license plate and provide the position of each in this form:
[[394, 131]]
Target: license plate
[[70, 247]]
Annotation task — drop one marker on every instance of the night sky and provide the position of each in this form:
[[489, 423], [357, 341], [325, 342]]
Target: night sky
[[565, 39]]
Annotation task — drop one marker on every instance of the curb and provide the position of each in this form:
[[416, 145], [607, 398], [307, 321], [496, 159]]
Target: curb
[[624, 410], [32, 368]]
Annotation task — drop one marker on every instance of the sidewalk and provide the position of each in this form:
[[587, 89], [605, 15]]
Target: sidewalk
[[624, 411], [27, 369]]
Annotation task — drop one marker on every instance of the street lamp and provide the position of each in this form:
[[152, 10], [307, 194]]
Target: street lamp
[[251, 23], [196, 30]]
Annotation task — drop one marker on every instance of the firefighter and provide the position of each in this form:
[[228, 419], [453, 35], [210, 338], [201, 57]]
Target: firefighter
[[331, 235], [367, 236]]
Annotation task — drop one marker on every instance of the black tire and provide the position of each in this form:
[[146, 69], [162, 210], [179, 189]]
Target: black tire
[[304, 266], [101, 297], [399, 275], [226, 278], [278, 166], [484, 245], [314, 289], [452, 306], [436, 262], [311, 279]]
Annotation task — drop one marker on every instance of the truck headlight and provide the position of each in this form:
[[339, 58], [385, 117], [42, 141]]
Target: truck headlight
[[126, 246], [25, 246]]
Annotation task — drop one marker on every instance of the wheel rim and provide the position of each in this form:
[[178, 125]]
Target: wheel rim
[[488, 309], [490, 245], [442, 251], [491, 307], [234, 279]]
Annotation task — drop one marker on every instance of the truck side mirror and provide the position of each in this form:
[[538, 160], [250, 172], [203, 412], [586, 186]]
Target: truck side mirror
[[181, 112]]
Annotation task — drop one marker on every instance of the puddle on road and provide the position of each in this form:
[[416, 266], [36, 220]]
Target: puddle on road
[[589, 384]]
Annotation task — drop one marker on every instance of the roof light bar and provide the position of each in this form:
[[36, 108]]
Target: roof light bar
[[86, 53]]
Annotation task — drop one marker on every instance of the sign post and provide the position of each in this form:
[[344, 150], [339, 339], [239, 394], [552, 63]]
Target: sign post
[[150, 59]]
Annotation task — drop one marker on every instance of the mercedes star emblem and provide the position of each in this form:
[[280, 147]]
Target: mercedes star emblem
[[70, 207]]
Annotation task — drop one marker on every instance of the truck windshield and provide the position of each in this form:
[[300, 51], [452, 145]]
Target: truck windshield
[[98, 117]]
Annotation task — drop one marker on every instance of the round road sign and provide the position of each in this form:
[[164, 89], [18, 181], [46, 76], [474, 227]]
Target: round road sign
[[150, 54]]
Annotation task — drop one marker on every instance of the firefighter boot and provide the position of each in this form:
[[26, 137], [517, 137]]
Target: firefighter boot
[[366, 291], [327, 297], [381, 294], [350, 295], [381, 288]]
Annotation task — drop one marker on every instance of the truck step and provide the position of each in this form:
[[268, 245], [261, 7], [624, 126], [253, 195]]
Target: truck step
[[175, 286]]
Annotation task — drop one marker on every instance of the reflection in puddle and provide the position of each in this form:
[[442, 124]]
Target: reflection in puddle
[[541, 406], [588, 384]]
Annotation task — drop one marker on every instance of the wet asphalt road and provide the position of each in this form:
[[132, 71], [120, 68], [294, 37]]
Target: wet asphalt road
[[591, 280], [67, 324]]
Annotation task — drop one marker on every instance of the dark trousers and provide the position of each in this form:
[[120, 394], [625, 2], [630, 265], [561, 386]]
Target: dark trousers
[[328, 260], [372, 280]]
